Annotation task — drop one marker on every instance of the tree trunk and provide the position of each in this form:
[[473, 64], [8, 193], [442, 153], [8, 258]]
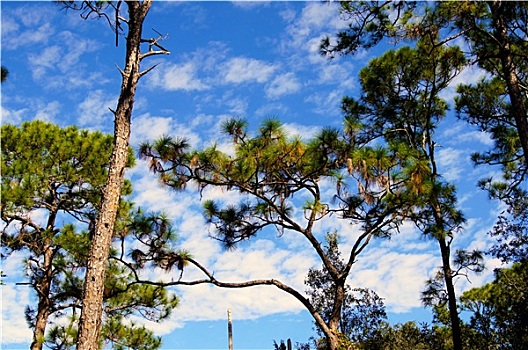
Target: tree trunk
[[332, 334], [90, 320], [445, 252], [333, 342], [43, 290], [518, 107], [451, 296]]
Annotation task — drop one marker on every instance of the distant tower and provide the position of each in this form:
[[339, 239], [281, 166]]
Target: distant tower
[[229, 329]]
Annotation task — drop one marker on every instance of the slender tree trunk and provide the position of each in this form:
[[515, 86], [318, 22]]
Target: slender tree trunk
[[43, 285], [445, 252], [451, 296], [518, 108], [90, 320], [44, 304]]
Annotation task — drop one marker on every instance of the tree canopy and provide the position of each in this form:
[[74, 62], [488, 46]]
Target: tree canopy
[[283, 182], [51, 191]]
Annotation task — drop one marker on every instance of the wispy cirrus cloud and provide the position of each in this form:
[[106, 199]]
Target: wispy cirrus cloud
[[53, 65], [453, 162], [49, 112]]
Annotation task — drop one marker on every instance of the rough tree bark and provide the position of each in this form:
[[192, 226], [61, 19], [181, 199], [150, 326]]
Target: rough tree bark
[[90, 320]]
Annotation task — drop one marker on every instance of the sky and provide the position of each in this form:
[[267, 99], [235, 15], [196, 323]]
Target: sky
[[228, 59]]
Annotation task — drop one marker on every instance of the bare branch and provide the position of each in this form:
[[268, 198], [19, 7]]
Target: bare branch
[[210, 279], [154, 42], [120, 71]]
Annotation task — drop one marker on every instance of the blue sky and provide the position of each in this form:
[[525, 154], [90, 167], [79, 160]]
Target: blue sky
[[228, 59]]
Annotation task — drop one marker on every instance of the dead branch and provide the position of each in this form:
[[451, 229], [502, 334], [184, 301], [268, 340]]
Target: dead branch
[[154, 42]]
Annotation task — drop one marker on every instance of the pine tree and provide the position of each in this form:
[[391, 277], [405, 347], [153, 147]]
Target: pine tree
[[278, 177], [59, 173], [90, 321], [400, 105]]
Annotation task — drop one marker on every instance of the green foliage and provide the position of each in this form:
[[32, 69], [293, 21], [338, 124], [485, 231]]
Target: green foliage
[[409, 335], [499, 309], [157, 238], [41, 160], [487, 106], [511, 229], [124, 335], [272, 169], [62, 337], [278, 177], [61, 173], [496, 33], [368, 23], [5, 73], [400, 106], [496, 36]]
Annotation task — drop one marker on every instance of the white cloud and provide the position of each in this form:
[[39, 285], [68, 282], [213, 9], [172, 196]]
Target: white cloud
[[49, 111], [65, 53], [271, 109], [469, 75], [13, 116], [459, 132], [250, 4], [14, 326], [240, 70], [47, 59], [262, 259], [35, 109], [452, 162], [237, 105], [173, 77], [147, 128], [94, 111], [330, 73], [396, 277], [40, 35], [282, 85], [306, 31], [306, 132], [327, 103], [9, 26], [76, 46]]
